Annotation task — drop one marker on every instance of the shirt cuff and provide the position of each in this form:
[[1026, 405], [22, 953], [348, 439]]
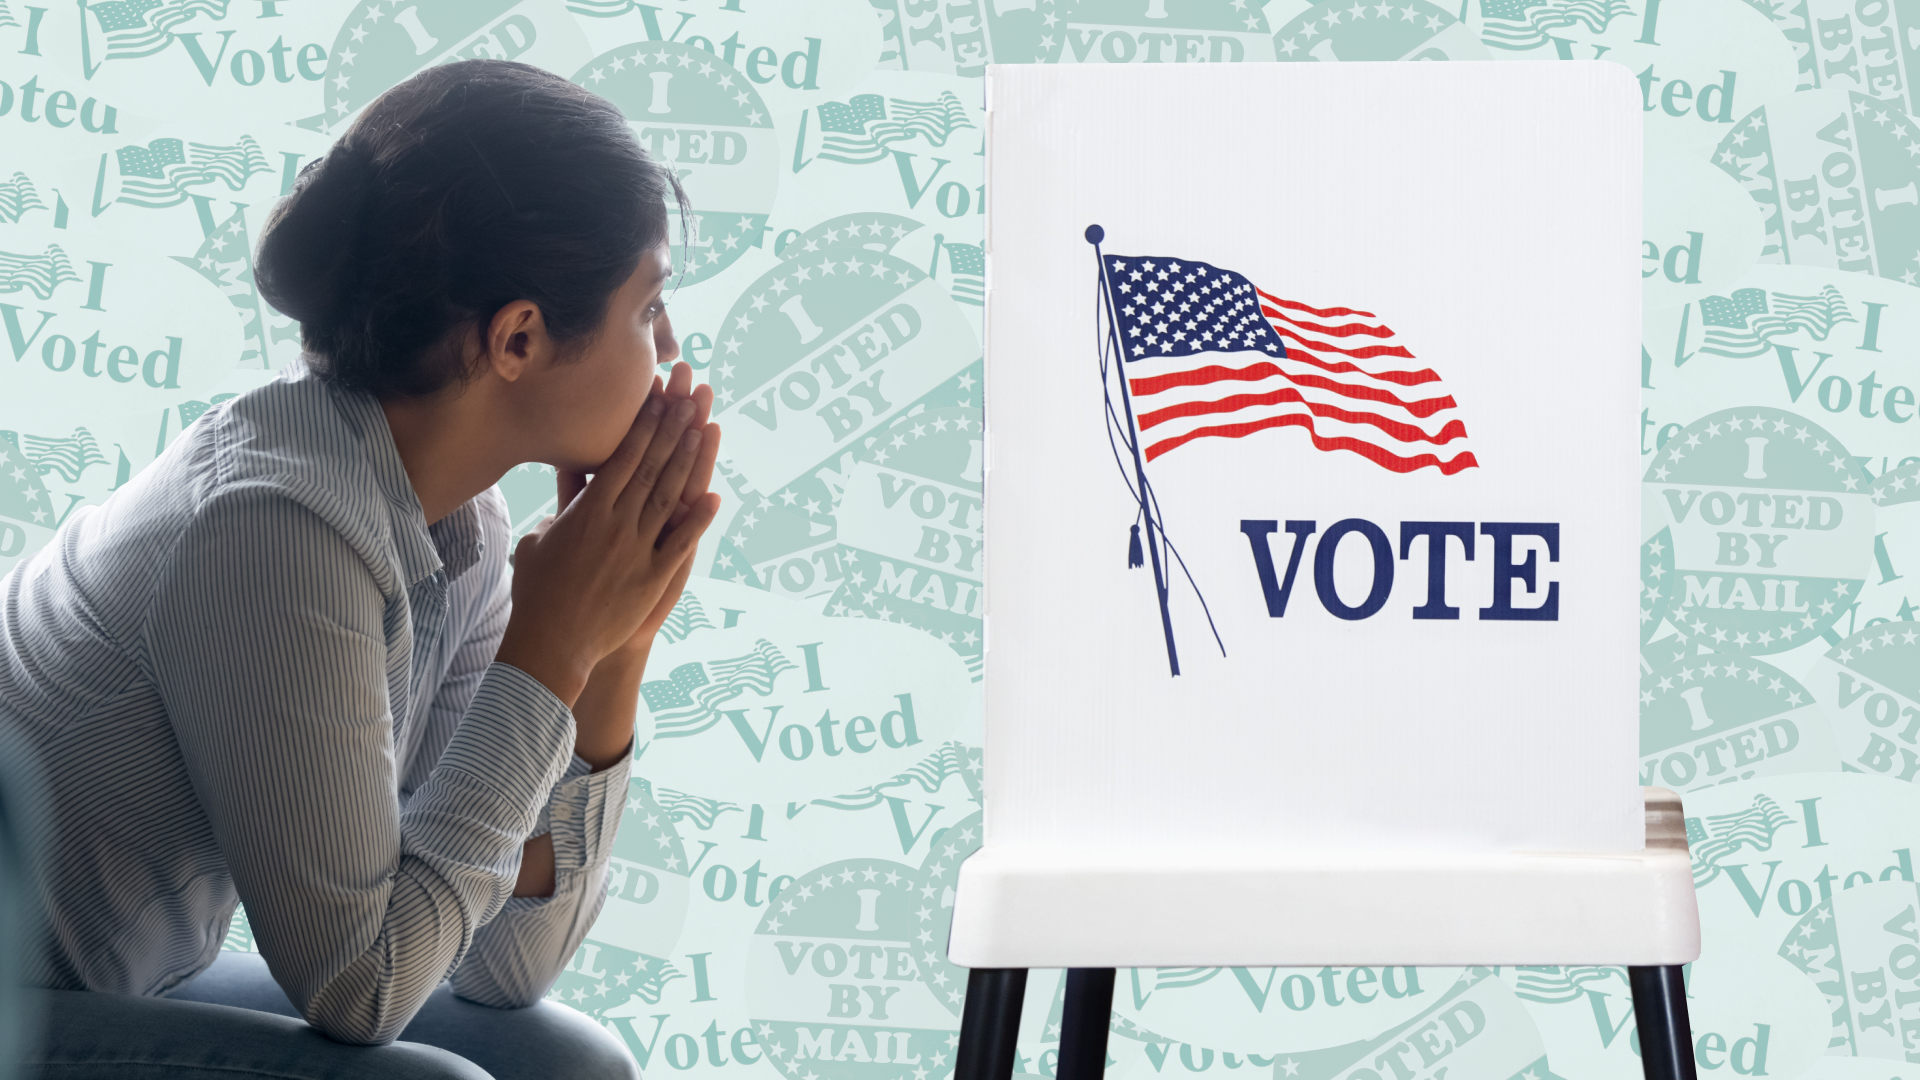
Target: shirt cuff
[[584, 813], [582, 816], [514, 737]]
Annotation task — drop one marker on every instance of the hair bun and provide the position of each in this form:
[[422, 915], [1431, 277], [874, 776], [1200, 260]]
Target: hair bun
[[310, 235]]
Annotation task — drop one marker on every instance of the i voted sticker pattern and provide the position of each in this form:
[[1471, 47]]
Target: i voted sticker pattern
[[142, 146]]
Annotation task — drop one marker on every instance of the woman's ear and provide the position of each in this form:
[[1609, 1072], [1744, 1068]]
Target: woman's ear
[[517, 340]]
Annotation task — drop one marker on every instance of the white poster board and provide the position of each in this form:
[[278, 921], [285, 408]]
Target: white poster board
[[1428, 278]]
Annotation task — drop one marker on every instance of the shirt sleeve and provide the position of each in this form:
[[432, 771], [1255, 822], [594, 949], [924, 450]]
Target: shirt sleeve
[[267, 643], [517, 956]]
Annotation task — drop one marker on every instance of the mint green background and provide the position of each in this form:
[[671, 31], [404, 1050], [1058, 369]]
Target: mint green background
[[130, 200]]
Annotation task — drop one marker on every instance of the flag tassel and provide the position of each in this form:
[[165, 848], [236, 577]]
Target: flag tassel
[[1135, 557]]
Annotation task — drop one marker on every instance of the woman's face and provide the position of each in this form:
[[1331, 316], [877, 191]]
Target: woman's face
[[596, 397]]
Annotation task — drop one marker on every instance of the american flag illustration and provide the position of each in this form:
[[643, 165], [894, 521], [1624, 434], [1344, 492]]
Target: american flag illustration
[[1191, 351], [69, 456], [686, 617], [18, 195], [1525, 24], [952, 759], [1743, 325], [687, 702], [1177, 978], [1560, 985], [1723, 834], [681, 806], [969, 264], [38, 274], [156, 176], [858, 131], [128, 29], [1208, 354]]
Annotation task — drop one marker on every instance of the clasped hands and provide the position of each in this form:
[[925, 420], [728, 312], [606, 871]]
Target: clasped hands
[[594, 582]]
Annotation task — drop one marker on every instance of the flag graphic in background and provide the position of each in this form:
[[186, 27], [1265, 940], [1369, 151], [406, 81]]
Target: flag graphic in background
[[1171, 978], [1524, 24], [1179, 978], [681, 807], [128, 29], [1742, 326], [23, 497], [858, 131], [969, 265], [18, 195], [1723, 834], [1199, 352], [38, 274], [932, 771], [156, 175], [686, 617], [687, 702], [1560, 985], [69, 456]]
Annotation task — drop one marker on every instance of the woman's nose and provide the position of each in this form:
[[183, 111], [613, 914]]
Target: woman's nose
[[665, 344]]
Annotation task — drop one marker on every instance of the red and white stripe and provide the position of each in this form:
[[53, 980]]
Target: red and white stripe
[[1346, 381]]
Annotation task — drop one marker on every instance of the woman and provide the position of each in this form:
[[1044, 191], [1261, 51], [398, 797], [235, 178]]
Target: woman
[[288, 665]]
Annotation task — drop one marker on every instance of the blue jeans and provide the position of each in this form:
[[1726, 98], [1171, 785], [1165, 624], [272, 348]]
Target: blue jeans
[[233, 1021]]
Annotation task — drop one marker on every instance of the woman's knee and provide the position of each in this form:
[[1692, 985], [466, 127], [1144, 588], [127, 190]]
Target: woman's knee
[[597, 1054], [545, 1039], [126, 1037], [588, 1049]]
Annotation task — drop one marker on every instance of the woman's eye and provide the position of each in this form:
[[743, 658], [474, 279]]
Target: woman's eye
[[655, 310]]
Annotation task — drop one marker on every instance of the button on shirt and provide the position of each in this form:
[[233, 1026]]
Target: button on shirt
[[256, 674]]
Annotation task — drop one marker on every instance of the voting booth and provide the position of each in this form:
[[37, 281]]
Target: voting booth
[[1311, 532]]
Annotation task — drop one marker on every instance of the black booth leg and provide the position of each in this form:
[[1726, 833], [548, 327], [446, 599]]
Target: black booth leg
[[1660, 1011], [1086, 1015], [989, 1023]]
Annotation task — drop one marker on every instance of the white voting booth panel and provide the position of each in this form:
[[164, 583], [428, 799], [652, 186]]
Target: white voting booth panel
[[1034, 907], [1343, 356]]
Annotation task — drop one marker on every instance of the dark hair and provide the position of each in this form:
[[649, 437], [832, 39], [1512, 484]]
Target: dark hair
[[466, 187]]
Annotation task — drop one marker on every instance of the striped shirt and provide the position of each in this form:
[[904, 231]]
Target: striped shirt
[[256, 674]]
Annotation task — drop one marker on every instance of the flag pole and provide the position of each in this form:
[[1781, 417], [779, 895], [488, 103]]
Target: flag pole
[[1095, 234]]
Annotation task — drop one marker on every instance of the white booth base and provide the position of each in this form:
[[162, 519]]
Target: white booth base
[[1030, 907]]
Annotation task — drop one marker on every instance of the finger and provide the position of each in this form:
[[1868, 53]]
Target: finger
[[701, 478], [680, 383], [673, 390], [685, 538], [611, 479], [678, 515], [673, 478], [524, 544], [703, 396], [687, 497], [646, 473], [680, 576], [569, 485]]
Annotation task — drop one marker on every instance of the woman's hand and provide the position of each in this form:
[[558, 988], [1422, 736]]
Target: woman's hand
[[589, 581], [679, 387]]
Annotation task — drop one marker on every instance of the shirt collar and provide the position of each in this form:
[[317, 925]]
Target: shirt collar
[[453, 542]]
